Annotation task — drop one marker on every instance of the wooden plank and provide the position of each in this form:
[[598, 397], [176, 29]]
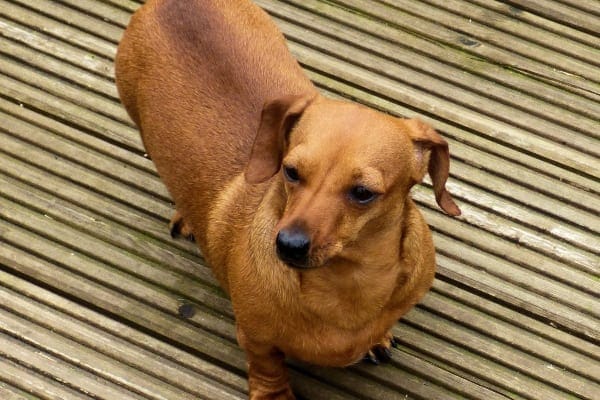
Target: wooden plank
[[502, 157], [101, 333], [431, 74], [85, 157], [420, 46], [49, 45], [489, 36], [56, 67], [118, 191], [567, 15], [9, 392], [185, 262], [108, 371], [518, 296], [530, 18], [504, 314], [476, 365], [147, 312], [72, 114], [506, 333], [514, 254], [105, 11], [63, 90], [97, 36], [405, 19], [468, 99], [525, 32], [561, 228], [512, 249], [20, 173], [34, 384], [542, 370], [154, 320], [78, 136], [404, 360], [111, 265], [503, 227], [490, 128], [590, 6], [48, 364], [127, 5]]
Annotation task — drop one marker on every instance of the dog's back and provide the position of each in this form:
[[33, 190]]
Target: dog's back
[[194, 75]]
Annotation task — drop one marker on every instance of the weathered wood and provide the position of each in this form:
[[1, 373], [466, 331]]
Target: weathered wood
[[35, 384], [50, 365], [9, 392], [109, 373], [476, 364], [78, 154], [468, 101], [61, 89], [80, 137], [91, 278], [102, 333], [103, 11], [513, 316], [66, 169], [525, 363], [503, 157], [323, 13], [515, 294], [530, 18], [504, 332], [583, 73], [72, 114], [101, 42], [568, 15], [49, 45], [528, 35], [495, 130], [56, 67], [417, 66]]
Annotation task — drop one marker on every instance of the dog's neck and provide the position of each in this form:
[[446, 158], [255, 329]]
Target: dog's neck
[[361, 280]]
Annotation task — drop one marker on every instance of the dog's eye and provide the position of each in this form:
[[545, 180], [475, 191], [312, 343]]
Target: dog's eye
[[362, 195], [291, 174]]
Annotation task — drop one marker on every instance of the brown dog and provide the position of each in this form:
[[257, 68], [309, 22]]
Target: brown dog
[[299, 203]]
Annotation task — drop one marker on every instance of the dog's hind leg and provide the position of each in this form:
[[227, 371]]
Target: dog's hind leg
[[178, 227]]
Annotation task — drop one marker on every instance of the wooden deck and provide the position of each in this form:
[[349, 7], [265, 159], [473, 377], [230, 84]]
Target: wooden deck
[[91, 282]]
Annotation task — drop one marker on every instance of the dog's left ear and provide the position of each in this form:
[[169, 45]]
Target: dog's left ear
[[431, 153], [277, 120]]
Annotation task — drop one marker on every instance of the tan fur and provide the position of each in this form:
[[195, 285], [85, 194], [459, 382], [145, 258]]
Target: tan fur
[[220, 104]]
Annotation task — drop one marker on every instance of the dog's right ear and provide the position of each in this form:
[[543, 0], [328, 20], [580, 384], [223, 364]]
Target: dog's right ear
[[277, 119], [431, 154]]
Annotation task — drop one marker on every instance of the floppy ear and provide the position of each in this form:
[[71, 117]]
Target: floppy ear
[[431, 152], [277, 119]]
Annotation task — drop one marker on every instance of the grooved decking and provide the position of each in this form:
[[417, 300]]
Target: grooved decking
[[90, 281]]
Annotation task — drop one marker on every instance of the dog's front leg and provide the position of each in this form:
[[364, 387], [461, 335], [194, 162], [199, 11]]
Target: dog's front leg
[[267, 374]]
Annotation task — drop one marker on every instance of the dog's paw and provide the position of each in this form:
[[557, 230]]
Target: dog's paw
[[179, 228], [382, 352], [283, 395]]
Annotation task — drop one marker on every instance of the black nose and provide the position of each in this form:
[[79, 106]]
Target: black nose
[[292, 247]]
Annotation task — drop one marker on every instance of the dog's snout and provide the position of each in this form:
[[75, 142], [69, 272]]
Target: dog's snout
[[293, 246]]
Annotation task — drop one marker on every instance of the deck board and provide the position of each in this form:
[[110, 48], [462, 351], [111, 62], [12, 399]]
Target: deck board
[[91, 282]]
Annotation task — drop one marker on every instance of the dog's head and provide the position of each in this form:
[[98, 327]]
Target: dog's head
[[346, 170]]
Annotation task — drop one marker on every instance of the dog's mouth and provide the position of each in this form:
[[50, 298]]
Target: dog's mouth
[[295, 263]]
